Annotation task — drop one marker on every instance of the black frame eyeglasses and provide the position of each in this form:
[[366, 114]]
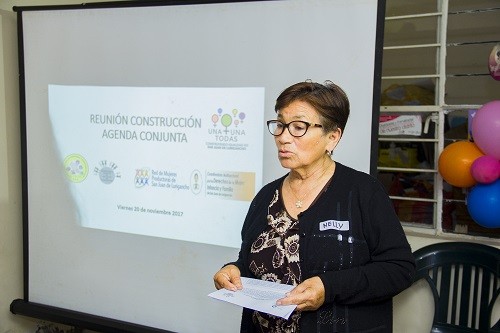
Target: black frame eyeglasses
[[296, 128]]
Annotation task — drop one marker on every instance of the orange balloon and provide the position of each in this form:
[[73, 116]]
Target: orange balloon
[[455, 162]]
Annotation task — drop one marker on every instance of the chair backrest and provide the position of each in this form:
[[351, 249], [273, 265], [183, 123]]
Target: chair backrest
[[464, 279]]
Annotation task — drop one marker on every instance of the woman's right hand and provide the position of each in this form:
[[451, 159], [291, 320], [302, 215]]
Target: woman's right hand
[[228, 277]]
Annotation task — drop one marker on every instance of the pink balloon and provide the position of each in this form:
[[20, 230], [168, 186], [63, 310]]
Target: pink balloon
[[486, 129], [494, 62], [485, 169]]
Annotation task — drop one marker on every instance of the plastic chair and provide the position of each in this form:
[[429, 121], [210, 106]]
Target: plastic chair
[[464, 279]]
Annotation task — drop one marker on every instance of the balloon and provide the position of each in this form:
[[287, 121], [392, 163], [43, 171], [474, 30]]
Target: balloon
[[483, 204], [455, 162], [486, 129], [485, 169], [494, 62]]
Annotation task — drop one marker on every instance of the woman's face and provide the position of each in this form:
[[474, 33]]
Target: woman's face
[[303, 152]]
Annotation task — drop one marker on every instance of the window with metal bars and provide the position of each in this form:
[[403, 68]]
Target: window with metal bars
[[434, 76]]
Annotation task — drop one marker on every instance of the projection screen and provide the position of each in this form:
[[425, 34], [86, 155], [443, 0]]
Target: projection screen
[[144, 141]]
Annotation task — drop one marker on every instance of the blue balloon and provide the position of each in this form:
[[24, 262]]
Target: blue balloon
[[483, 204]]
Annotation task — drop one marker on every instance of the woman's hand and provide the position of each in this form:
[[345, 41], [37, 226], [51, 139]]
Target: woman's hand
[[309, 295], [229, 277]]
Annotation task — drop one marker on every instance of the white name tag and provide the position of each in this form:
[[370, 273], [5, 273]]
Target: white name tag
[[334, 225]]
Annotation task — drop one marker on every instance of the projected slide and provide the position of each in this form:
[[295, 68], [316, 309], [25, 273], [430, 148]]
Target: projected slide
[[180, 163]]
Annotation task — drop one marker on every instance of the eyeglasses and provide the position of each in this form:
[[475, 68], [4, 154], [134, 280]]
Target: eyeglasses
[[296, 128]]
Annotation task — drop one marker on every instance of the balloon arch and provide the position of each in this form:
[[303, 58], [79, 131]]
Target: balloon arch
[[475, 165]]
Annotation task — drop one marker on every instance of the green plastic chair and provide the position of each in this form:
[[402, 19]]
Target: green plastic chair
[[464, 280]]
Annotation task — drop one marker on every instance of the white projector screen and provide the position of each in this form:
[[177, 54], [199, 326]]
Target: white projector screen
[[144, 140]]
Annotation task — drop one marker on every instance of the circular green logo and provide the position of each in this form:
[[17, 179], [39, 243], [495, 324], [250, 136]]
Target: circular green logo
[[226, 120], [76, 168]]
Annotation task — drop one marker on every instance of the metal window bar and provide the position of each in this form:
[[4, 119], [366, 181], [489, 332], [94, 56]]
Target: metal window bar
[[440, 77], [440, 109]]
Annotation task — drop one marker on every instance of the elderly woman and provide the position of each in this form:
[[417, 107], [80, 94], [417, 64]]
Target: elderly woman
[[325, 228]]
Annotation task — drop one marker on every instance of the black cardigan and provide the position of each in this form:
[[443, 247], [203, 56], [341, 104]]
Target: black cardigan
[[352, 239]]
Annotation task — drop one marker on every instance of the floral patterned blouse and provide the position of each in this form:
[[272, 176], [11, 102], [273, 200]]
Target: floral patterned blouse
[[275, 257]]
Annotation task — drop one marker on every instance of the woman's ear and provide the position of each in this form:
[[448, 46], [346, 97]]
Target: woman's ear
[[334, 138]]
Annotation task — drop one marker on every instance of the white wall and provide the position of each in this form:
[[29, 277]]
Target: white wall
[[413, 308], [11, 257]]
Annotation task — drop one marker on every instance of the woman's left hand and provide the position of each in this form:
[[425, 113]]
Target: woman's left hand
[[309, 295]]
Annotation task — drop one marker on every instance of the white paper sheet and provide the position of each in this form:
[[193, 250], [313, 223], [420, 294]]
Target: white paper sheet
[[258, 295]]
